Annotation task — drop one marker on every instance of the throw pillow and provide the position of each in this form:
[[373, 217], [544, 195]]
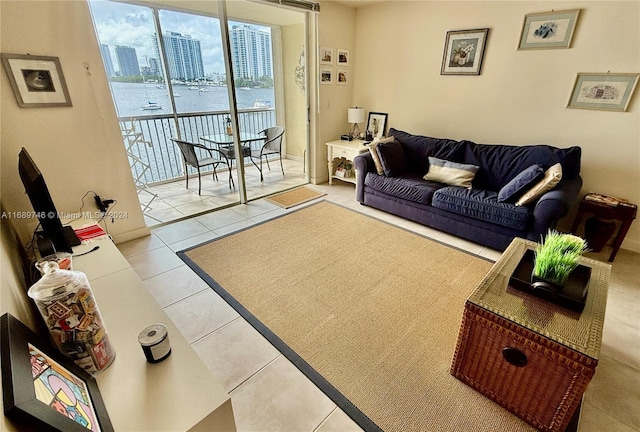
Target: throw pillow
[[374, 153], [520, 183], [551, 178], [451, 173], [392, 158]]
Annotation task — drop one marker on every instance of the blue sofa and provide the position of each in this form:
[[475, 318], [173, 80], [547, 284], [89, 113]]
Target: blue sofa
[[475, 213]]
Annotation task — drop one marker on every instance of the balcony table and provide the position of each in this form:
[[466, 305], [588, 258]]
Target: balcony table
[[224, 144]]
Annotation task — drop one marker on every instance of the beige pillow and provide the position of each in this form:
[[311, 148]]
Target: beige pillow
[[551, 178], [451, 173], [374, 153]]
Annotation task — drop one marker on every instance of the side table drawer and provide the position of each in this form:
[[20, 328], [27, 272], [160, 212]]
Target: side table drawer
[[535, 378]]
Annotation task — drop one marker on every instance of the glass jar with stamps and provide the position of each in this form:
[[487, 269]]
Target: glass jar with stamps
[[66, 303]]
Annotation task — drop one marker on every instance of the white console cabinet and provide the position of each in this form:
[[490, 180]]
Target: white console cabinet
[[177, 394]]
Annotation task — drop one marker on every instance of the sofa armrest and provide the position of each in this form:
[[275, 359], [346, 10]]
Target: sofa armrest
[[363, 164], [554, 205]]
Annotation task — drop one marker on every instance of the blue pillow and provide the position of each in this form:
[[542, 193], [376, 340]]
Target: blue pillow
[[392, 158], [520, 184]]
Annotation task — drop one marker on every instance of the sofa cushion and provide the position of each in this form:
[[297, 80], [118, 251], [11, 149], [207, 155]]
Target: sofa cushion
[[410, 187], [483, 205], [392, 158], [520, 184], [551, 178], [500, 163], [374, 153], [418, 148], [451, 173]]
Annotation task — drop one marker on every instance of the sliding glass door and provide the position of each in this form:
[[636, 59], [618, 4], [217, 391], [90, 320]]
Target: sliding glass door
[[177, 73]]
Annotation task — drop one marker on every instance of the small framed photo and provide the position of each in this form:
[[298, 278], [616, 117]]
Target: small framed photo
[[377, 124], [548, 30], [37, 81], [342, 76], [326, 56], [603, 91], [463, 52], [326, 76], [343, 57], [44, 390]]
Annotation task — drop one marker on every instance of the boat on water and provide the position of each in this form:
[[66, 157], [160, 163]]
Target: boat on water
[[262, 103], [203, 89], [151, 106], [193, 88]]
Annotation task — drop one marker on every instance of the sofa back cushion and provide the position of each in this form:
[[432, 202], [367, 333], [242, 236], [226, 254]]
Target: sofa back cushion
[[499, 164], [418, 148]]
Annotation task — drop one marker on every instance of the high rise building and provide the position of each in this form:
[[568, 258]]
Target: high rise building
[[106, 58], [127, 60], [184, 56], [250, 52]]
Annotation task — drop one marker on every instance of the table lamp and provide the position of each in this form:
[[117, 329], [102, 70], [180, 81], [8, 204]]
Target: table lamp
[[355, 116]]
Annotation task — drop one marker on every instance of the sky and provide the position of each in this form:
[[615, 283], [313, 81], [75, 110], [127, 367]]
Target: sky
[[131, 25]]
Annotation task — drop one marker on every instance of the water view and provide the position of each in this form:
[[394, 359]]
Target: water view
[[137, 99]]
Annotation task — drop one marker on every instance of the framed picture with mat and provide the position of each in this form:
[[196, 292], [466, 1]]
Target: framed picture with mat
[[44, 390]]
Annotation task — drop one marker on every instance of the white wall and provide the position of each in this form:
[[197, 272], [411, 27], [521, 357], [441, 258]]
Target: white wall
[[520, 96], [336, 29], [78, 148]]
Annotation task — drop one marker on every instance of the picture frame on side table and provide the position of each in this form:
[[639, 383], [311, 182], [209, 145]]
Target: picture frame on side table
[[464, 52], [37, 81], [377, 124], [326, 56], [326, 76], [603, 91], [548, 30], [44, 389]]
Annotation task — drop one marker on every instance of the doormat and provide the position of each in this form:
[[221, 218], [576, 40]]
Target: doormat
[[295, 197]]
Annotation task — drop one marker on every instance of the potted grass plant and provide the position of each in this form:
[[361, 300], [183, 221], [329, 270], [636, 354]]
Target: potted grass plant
[[555, 258]]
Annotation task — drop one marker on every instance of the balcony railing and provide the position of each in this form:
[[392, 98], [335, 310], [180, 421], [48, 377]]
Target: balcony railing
[[155, 159]]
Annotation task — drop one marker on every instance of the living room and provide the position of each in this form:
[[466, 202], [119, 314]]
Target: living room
[[519, 97]]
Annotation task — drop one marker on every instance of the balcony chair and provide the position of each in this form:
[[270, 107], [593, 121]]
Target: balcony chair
[[190, 158], [272, 145]]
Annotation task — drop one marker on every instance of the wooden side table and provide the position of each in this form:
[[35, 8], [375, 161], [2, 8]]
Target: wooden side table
[[531, 356], [347, 149], [623, 211]]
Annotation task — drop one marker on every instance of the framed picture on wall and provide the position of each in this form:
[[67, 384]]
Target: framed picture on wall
[[326, 56], [377, 124], [342, 76], [37, 81], [43, 389], [463, 52], [342, 57], [326, 76], [603, 91], [548, 30]]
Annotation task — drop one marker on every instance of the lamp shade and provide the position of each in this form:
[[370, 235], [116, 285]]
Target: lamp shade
[[355, 115]]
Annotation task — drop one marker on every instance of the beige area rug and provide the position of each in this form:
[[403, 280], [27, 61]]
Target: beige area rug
[[368, 311], [294, 197]]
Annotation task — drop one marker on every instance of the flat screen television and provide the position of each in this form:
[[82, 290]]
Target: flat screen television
[[62, 237]]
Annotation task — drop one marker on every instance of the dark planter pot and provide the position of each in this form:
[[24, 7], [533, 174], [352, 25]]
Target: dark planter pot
[[546, 286]]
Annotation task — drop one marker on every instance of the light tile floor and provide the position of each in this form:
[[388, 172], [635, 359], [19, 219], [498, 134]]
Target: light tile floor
[[175, 201], [269, 394]]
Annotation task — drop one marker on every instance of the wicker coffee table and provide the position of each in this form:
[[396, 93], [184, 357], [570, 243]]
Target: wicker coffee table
[[529, 355]]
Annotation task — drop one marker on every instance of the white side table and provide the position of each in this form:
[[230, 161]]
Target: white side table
[[346, 149]]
